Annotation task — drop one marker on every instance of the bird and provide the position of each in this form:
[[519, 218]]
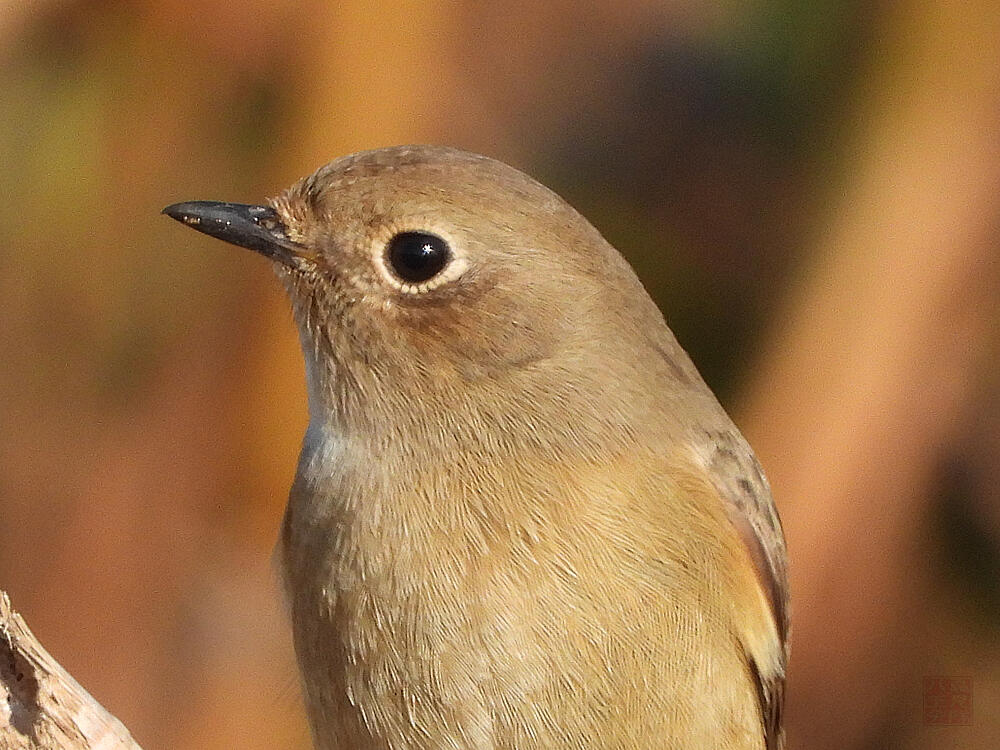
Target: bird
[[520, 518]]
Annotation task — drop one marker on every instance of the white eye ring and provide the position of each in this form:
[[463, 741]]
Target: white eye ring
[[454, 266]]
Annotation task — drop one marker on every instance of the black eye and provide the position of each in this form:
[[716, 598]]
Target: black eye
[[416, 257]]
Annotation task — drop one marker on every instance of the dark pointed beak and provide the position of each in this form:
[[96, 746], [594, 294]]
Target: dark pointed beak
[[255, 227]]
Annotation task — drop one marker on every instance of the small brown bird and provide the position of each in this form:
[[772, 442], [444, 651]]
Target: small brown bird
[[520, 518]]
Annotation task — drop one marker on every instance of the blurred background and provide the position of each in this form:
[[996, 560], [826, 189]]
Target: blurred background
[[810, 190]]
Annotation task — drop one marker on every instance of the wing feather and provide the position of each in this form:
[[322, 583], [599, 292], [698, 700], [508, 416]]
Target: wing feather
[[741, 483]]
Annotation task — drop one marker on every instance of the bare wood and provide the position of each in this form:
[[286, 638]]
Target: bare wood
[[41, 705]]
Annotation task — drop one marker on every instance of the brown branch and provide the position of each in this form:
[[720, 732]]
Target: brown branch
[[41, 705]]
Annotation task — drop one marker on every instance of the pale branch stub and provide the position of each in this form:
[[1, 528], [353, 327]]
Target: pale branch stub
[[41, 706]]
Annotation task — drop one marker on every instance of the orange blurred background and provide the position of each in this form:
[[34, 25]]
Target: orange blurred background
[[811, 191]]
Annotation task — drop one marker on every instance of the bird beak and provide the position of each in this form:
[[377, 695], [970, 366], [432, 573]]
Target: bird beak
[[258, 228]]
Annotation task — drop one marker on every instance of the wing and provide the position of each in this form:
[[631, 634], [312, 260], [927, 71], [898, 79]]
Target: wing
[[740, 481]]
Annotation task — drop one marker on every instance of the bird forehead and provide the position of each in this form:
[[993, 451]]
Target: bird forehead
[[421, 179], [489, 212]]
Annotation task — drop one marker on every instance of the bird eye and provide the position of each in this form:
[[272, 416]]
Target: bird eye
[[416, 257]]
